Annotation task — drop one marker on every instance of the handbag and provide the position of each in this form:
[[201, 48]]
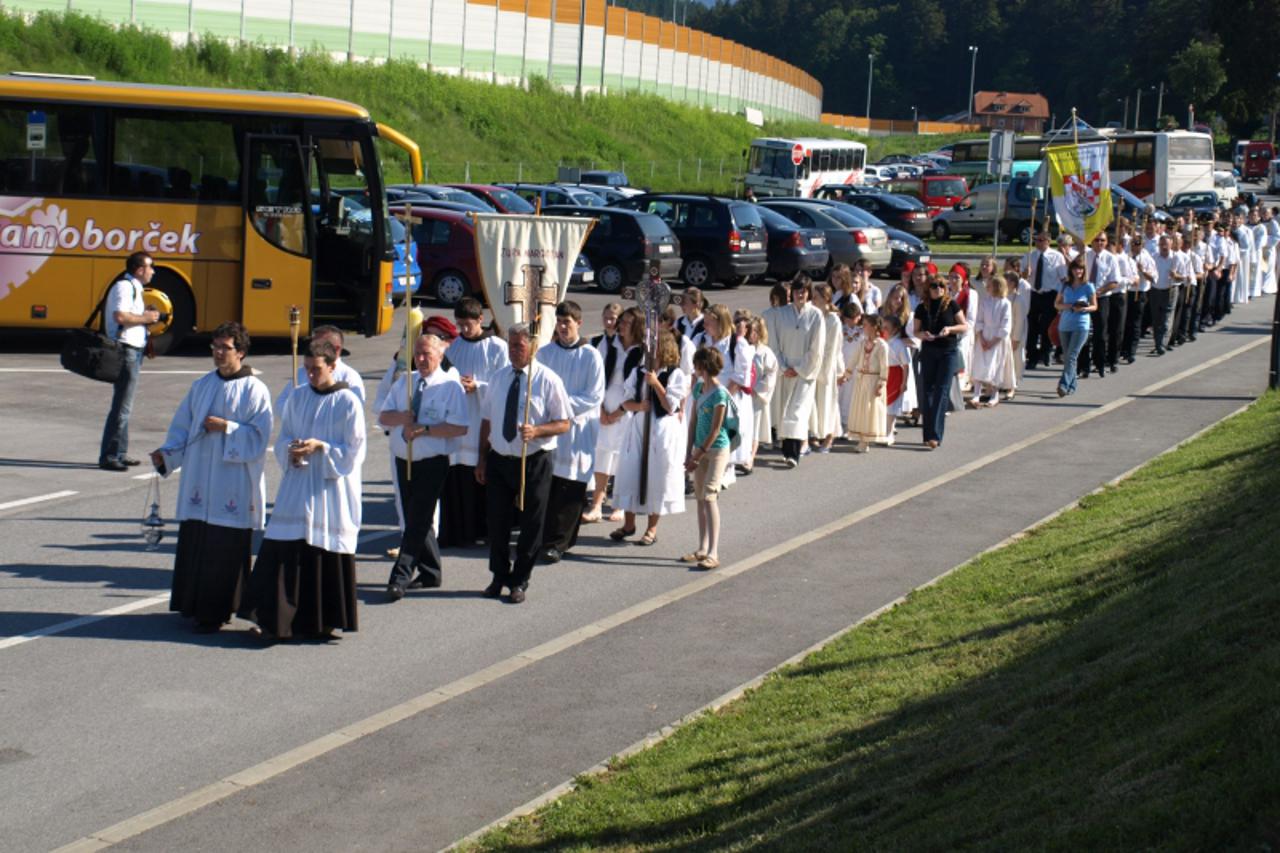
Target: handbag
[[1055, 337], [90, 353]]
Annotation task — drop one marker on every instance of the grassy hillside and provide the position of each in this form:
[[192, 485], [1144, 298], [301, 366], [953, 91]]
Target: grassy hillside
[[495, 132]]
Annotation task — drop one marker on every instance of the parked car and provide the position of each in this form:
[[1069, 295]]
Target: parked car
[[847, 240], [1273, 180], [456, 206], [416, 192], [500, 198], [403, 274], [624, 244], [904, 246], [1198, 204], [793, 249], [721, 240], [899, 211], [583, 275], [552, 194], [605, 177], [894, 159], [447, 252], [608, 195], [936, 192], [1224, 183], [1257, 157], [977, 213]]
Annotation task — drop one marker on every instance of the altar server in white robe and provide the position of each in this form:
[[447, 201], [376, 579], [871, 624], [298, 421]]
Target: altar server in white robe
[[850, 349], [824, 423], [993, 346], [766, 367], [342, 372], [668, 386], [581, 370], [391, 379], [739, 357], [304, 580], [477, 357], [779, 302], [612, 416], [1272, 226], [686, 346], [1261, 256], [800, 340], [219, 437], [1244, 275]]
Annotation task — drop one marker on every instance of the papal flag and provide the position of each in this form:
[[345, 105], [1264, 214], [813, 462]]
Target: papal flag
[[525, 265], [1080, 182]]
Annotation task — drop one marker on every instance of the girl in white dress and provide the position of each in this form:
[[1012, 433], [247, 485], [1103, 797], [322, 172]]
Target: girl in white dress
[[993, 352], [613, 418], [693, 303], [766, 367], [779, 301], [738, 355], [668, 387], [899, 391], [824, 422], [850, 340], [867, 412], [1019, 290]]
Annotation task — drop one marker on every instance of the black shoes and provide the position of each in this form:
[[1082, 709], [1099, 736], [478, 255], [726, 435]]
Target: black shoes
[[424, 581], [130, 461], [113, 465], [552, 556], [395, 591], [493, 590], [517, 595]]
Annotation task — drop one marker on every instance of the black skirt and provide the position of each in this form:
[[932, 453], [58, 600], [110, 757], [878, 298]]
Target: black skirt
[[297, 590], [462, 509], [210, 571]]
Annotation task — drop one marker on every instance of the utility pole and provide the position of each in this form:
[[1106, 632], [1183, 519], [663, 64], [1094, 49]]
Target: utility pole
[[973, 69]]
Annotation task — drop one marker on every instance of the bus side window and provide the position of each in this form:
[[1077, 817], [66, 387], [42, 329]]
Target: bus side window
[[68, 161], [278, 193], [174, 156]]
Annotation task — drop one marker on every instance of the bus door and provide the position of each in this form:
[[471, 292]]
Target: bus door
[[277, 257]]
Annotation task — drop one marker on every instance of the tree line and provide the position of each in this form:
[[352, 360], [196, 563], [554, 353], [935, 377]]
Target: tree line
[[1088, 54]]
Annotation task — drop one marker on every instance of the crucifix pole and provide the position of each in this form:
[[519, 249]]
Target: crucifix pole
[[532, 295], [410, 333]]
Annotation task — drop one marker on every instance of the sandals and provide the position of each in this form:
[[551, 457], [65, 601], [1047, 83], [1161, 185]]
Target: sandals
[[706, 564], [649, 537], [592, 517], [622, 533], [693, 557]]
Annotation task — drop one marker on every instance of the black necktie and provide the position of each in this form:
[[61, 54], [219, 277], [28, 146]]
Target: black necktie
[[1093, 271], [610, 356], [513, 407], [417, 396], [1039, 271]]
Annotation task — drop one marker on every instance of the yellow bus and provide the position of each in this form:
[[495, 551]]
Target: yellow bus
[[249, 202]]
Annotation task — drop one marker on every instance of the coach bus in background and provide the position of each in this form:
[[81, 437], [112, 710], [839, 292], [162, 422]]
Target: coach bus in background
[[771, 170], [241, 198]]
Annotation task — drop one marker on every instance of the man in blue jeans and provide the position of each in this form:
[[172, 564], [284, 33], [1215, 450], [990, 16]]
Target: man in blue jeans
[[127, 318]]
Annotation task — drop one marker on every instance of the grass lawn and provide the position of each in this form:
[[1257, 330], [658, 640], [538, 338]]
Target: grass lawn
[[1107, 682], [972, 245]]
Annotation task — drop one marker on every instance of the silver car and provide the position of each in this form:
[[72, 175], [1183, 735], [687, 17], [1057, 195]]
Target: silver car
[[976, 214]]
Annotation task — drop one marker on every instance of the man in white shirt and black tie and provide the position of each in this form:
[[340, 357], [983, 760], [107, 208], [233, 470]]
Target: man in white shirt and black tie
[[436, 414], [523, 386], [1046, 268]]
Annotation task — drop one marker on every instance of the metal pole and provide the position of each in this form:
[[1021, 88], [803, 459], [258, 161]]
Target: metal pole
[[351, 30], [1159, 105], [973, 70], [582, 37], [391, 29], [871, 69], [1274, 381], [1124, 119]]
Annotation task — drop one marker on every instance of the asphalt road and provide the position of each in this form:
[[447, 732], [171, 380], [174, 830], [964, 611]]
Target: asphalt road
[[446, 710]]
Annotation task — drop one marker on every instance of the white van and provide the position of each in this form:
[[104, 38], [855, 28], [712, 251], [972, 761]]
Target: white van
[[1273, 176], [1224, 183]]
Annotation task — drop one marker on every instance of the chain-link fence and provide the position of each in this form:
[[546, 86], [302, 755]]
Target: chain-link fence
[[722, 175]]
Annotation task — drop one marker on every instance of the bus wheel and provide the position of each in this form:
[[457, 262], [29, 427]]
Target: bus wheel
[[184, 311]]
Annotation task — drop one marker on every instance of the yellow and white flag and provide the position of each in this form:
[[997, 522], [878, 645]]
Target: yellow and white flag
[[525, 265], [1080, 181]]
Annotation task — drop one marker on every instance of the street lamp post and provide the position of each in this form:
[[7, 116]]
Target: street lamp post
[[871, 68], [973, 68], [1159, 104], [1137, 110], [915, 118]]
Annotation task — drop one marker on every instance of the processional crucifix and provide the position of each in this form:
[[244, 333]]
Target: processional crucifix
[[652, 297]]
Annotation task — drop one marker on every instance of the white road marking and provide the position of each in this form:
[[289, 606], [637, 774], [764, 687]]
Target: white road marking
[[325, 744], [70, 624], [52, 496]]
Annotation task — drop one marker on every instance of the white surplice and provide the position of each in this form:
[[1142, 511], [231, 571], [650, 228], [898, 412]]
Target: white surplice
[[320, 503], [800, 340], [825, 419], [342, 372], [581, 370], [223, 480], [668, 436], [480, 359], [737, 368], [766, 364], [609, 439]]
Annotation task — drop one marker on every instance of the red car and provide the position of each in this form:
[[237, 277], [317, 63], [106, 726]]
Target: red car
[[447, 254], [503, 199]]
